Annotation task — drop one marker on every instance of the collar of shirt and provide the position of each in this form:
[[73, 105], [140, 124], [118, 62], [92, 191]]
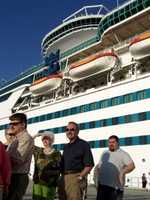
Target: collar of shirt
[[19, 135], [75, 141]]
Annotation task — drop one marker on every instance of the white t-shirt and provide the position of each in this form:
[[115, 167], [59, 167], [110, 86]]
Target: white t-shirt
[[111, 163]]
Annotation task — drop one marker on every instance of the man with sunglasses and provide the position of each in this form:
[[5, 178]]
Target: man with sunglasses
[[77, 162], [20, 152]]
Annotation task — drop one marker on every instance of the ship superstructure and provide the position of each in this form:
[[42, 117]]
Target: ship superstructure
[[95, 71]]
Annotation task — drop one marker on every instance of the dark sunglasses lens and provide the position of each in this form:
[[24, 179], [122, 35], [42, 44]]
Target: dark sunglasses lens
[[14, 124], [71, 129], [11, 134]]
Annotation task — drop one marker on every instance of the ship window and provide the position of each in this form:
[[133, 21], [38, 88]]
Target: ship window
[[140, 1], [73, 110], [128, 141], [102, 143], [92, 106], [128, 118], [57, 114], [98, 105], [143, 139], [55, 130], [115, 120], [83, 22], [122, 141], [62, 146], [83, 108], [127, 8], [82, 126], [133, 4], [49, 116], [42, 118], [116, 20], [133, 11], [140, 7], [92, 144], [122, 17], [92, 124], [147, 3], [35, 119], [141, 95], [142, 116], [97, 124], [115, 101], [30, 121], [128, 98], [93, 21], [104, 103], [103, 122], [64, 112], [135, 140], [128, 13]]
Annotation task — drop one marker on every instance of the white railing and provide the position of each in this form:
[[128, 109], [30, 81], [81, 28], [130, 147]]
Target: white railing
[[131, 182]]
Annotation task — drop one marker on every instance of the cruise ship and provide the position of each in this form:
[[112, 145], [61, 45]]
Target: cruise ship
[[96, 72]]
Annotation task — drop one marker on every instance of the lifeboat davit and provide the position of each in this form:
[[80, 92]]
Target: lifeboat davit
[[92, 65], [140, 46], [46, 84]]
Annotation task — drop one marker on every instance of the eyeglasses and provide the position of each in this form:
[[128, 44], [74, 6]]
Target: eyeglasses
[[14, 123], [11, 134], [70, 129]]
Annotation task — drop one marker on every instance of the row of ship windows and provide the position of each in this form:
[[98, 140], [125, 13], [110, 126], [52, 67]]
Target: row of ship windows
[[93, 106], [72, 25], [131, 97], [123, 13], [137, 117], [128, 141]]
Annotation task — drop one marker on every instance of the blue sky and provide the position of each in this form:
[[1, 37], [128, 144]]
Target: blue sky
[[23, 24]]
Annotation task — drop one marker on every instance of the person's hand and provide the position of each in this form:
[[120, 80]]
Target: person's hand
[[37, 135], [80, 178]]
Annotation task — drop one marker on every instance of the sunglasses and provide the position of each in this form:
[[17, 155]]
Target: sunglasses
[[11, 134], [70, 129], [14, 123]]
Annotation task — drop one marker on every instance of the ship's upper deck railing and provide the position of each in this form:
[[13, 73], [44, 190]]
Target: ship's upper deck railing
[[88, 10]]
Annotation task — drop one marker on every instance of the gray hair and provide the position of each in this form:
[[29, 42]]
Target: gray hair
[[49, 134]]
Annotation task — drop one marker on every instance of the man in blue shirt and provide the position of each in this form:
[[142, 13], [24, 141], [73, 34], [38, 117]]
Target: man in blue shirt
[[77, 162]]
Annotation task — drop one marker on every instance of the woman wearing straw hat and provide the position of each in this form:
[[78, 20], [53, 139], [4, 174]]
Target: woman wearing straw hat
[[47, 168]]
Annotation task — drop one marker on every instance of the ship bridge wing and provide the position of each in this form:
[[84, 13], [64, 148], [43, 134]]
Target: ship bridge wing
[[7, 105]]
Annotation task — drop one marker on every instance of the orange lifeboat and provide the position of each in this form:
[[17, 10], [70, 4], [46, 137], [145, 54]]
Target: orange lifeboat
[[92, 65], [46, 84], [140, 46]]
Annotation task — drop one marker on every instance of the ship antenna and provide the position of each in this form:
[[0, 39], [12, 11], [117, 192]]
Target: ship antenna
[[117, 3]]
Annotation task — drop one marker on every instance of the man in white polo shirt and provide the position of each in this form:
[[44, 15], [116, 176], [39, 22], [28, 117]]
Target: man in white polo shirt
[[114, 164]]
